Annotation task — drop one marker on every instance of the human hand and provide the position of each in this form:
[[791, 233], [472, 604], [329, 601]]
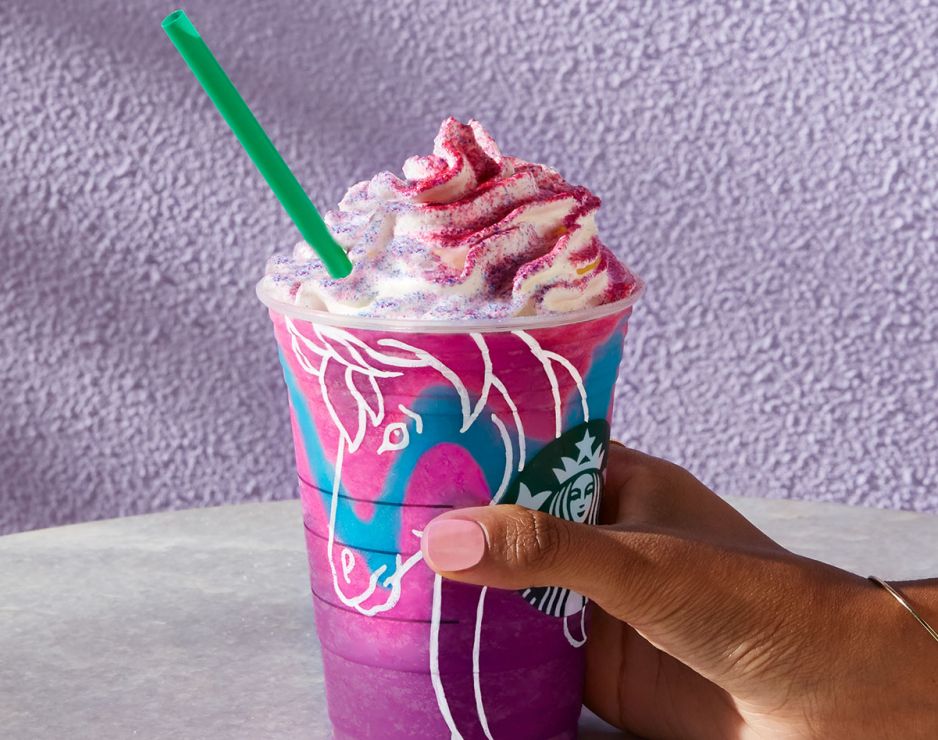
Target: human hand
[[706, 628]]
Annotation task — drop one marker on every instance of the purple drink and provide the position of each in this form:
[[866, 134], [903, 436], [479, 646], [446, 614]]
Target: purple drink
[[395, 422]]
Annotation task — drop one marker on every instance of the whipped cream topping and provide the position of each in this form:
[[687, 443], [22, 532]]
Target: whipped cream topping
[[468, 233]]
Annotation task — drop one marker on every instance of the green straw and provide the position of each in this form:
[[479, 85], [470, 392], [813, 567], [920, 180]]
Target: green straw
[[255, 141]]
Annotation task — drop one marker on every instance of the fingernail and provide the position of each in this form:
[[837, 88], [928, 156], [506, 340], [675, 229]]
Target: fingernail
[[453, 544]]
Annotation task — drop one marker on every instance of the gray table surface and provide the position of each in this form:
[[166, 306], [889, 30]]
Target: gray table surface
[[198, 624]]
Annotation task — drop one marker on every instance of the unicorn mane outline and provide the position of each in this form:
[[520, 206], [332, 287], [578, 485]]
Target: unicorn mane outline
[[363, 367]]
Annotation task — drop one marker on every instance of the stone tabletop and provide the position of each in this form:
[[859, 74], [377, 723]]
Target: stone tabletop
[[197, 624]]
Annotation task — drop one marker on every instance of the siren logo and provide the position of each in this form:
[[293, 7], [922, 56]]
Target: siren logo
[[565, 480]]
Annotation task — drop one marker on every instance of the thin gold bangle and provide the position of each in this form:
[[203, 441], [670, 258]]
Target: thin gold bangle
[[908, 607]]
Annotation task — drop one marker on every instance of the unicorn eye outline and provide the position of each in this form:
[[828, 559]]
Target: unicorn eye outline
[[418, 419], [396, 437]]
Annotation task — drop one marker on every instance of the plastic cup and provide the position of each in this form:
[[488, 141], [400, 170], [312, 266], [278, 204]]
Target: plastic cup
[[395, 422]]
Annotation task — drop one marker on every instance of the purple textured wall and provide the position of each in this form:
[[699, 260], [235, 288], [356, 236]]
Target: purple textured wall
[[772, 173]]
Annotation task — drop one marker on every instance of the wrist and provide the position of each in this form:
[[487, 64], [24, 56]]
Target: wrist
[[886, 682]]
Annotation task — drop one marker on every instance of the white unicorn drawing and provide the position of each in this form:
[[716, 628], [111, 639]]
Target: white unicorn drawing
[[363, 366]]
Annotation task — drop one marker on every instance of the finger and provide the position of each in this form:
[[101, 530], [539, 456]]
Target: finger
[[513, 547], [633, 575], [624, 464], [639, 577]]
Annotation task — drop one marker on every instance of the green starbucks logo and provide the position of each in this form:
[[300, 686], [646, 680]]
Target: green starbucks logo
[[565, 480]]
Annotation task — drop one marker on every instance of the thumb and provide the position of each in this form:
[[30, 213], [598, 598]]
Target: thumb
[[741, 618], [512, 547]]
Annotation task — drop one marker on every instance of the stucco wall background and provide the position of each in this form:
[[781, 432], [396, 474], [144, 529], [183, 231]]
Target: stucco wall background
[[770, 171]]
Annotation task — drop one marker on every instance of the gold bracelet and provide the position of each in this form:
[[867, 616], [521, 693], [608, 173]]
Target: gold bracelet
[[908, 607]]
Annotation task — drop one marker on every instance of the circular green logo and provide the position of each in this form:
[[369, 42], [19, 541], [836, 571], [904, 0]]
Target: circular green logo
[[564, 479]]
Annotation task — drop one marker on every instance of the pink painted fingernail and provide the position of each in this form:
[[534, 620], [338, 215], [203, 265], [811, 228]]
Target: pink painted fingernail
[[453, 544]]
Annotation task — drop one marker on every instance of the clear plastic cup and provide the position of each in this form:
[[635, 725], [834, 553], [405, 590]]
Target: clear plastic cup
[[395, 422]]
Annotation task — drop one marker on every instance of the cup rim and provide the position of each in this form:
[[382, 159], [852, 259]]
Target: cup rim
[[443, 326]]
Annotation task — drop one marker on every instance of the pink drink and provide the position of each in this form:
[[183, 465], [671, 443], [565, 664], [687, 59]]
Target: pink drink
[[395, 422]]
